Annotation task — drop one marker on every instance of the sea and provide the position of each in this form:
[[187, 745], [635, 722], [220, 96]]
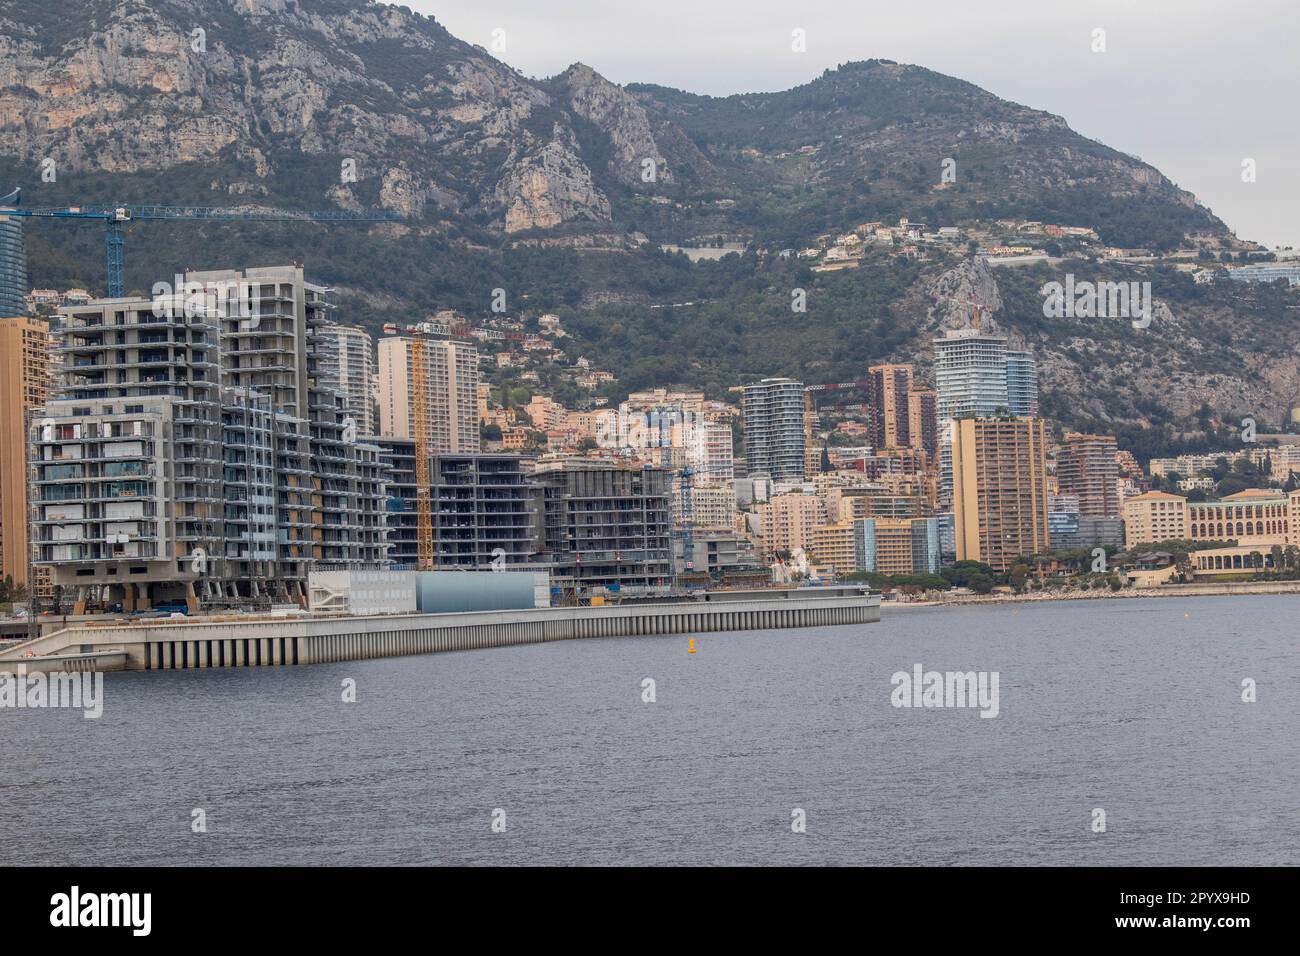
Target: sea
[[1138, 731]]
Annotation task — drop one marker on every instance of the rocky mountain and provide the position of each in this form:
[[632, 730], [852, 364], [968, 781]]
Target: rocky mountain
[[270, 99], [549, 188]]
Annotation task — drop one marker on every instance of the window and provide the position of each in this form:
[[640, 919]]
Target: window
[[61, 493]]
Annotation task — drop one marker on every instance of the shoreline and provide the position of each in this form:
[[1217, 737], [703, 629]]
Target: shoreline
[[1237, 588], [169, 644]]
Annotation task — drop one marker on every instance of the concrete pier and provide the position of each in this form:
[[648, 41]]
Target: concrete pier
[[275, 642]]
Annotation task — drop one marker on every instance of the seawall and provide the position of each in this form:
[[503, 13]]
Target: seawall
[[260, 642]]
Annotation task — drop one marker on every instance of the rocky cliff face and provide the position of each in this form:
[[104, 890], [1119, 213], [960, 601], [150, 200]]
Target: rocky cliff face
[[621, 117], [550, 186], [353, 103], [956, 294], [263, 83]]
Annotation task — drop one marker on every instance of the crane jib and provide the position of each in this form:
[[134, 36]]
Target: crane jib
[[115, 217]]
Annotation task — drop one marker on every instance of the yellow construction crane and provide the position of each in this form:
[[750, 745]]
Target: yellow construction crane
[[423, 453], [423, 475]]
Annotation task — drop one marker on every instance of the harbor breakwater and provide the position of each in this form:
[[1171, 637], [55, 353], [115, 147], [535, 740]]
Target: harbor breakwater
[[260, 642]]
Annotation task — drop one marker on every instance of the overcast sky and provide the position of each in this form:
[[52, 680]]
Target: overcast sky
[[1191, 86]]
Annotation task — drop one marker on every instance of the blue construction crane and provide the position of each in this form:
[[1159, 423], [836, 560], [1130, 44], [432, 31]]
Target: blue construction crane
[[117, 217], [687, 513]]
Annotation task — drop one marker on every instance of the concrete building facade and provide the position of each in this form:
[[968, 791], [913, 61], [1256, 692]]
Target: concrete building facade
[[24, 378], [13, 267], [1086, 466], [197, 450], [889, 393], [773, 412], [1000, 498], [787, 521], [348, 362], [1257, 518], [452, 378], [923, 425], [1022, 385], [607, 526]]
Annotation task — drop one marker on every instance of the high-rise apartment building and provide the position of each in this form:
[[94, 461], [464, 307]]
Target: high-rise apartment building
[[889, 391], [970, 373], [348, 362], [1022, 385], [1000, 498], [481, 503], [883, 545], [976, 376], [129, 460], [922, 422], [451, 380], [1086, 466], [926, 556], [272, 342], [896, 545], [774, 428], [265, 317], [832, 548], [24, 377], [13, 267]]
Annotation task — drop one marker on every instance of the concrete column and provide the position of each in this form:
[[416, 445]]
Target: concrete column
[[241, 653], [203, 655], [264, 650]]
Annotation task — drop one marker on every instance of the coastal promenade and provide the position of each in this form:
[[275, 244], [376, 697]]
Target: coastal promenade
[[1195, 589], [275, 641]]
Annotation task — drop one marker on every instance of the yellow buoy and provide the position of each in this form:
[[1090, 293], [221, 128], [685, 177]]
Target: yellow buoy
[[692, 649]]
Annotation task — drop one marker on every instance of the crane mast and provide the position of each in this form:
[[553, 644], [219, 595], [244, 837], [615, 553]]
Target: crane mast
[[423, 472]]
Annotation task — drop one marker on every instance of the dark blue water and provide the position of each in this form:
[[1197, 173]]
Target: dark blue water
[[1133, 706]]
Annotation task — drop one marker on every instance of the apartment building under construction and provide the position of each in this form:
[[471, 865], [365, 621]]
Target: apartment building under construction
[[193, 453]]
